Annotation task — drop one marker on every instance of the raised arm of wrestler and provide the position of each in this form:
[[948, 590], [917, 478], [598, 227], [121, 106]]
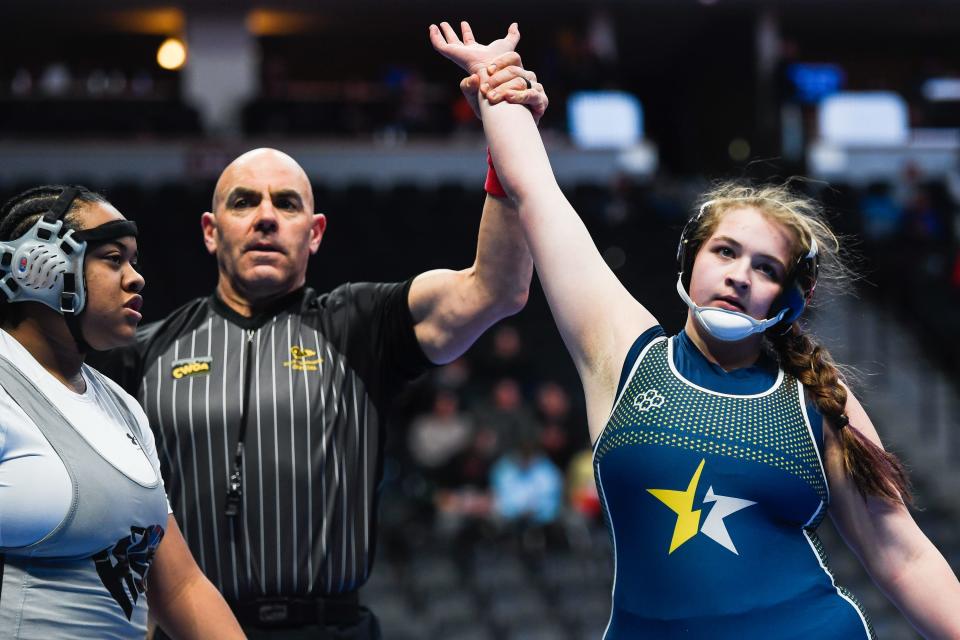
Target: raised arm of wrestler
[[597, 317]]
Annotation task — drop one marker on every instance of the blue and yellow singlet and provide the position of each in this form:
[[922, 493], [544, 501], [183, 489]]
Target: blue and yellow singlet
[[712, 485]]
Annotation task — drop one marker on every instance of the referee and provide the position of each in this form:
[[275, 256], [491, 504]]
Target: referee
[[268, 399]]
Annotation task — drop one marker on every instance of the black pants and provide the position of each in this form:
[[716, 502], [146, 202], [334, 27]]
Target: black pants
[[366, 628]]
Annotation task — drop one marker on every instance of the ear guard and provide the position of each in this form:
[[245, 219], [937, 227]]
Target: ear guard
[[44, 266], [799, 287]]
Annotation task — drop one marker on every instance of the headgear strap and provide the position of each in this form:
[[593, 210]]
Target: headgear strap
[[107, 231], [62, 205]]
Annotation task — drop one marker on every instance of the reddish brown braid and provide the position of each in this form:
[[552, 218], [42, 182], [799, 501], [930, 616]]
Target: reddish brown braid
[[874, 471]]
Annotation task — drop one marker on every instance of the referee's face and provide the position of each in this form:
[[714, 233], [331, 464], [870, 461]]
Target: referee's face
[[263, 228]]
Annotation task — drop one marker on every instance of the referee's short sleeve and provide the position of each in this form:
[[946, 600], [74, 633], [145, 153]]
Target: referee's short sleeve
[[385, 326], [406, 352]]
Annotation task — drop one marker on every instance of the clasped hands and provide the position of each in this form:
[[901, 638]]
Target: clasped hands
[[496, 71]]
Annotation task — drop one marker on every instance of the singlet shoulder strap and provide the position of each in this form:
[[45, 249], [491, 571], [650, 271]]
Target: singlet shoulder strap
[[642, 341]]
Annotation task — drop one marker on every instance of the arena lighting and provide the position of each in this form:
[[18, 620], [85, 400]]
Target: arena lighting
[[172, 54], [604, 119], [812, 82], [275, 22], [942, 89], [157, 22], [738, 150], [867, 118]]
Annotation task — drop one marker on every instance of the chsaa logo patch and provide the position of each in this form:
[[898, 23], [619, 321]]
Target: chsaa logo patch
[[303, 359], [190, 367]]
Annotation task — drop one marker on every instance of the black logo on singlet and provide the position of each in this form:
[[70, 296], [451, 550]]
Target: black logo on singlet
[[133, 440], [123, 568]]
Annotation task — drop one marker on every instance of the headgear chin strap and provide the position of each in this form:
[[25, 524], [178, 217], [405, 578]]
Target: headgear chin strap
[[45, 264], [730, 326]]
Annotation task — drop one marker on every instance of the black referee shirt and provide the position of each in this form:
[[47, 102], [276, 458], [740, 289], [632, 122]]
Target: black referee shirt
[[324, 370]]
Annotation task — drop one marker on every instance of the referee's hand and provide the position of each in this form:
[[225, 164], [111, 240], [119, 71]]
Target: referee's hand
[[507, 81]]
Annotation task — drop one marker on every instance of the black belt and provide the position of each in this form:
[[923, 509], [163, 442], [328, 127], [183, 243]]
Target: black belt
[[339, 610]]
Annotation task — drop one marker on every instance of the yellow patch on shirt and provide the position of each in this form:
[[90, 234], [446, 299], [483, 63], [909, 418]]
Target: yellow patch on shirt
[[303, 359], [186, 367]]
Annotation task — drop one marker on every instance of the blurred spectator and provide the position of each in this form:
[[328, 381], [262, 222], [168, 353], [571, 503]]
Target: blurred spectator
[[454, 375], [882, 223], [881, 215], [21, 85], [97, 83], [458, 377], [526, 486], [55, 80], [410, 91], [505, 356], [582, 492], [464, 119], [506, 416], [582, 515], [922, 217], [602, 37], [437, 438], [463, 504], [562, 431], [475, 466]]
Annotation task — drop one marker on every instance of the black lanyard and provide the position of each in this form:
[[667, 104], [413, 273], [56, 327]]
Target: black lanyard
[[235, 484]]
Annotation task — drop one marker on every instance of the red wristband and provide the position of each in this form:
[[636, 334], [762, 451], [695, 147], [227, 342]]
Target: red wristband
[[492, 185]]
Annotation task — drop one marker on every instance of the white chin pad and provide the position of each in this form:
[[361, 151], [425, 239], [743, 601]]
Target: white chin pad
[[724, 324], [727, 325]]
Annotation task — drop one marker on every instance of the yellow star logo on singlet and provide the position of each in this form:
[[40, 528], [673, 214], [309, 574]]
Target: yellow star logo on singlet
[[688, 519], [681, 502]]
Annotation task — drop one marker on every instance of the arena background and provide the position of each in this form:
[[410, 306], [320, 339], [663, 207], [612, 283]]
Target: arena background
[[725, 88]]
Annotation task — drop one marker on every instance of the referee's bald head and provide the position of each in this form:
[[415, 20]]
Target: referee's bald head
[[265, 167]]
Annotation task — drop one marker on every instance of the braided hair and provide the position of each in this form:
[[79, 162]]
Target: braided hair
[[874, 471], [20, 212]]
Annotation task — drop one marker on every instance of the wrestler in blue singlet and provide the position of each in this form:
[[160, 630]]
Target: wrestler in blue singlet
[[712, 485]]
